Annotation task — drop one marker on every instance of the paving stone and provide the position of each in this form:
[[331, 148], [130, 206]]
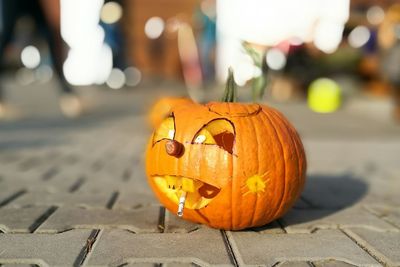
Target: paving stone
[[95, 185], [384, 246], [271, 228], [301, 204], [45, 249], [171, 264], [132, 198], [61, 199], [346, 153], [178, 264], [332, 263], [26, 184], [24, 220], [334, 191], [97, 162], [390, 214], [307, 221], [18, 265], [144, 220], [10, 194], [383, 190], [142, 264], [203, 247], [174, 224], [38, 184], [266, 250], [294, 264]]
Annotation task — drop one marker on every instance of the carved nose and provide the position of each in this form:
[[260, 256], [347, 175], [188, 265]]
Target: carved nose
[[174, 148]]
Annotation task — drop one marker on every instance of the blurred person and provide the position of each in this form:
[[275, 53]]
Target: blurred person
[[46, 15], [265, 24], [206, 16], [389, 41], [114, 38]]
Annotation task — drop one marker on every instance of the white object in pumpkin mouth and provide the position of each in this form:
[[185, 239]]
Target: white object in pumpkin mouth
[[198, 194]]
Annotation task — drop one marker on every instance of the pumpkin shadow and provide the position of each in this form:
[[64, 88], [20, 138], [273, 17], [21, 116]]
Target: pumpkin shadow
[[322, 196]]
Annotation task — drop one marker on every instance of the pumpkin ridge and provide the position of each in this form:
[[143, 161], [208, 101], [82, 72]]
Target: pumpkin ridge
[[234, 181], [258, 164], [298, 147], [285, 126], [273, 125], [295, 139]]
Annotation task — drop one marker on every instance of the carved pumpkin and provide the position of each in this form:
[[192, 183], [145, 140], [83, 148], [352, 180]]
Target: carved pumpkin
[[162, 108], [229, 165]]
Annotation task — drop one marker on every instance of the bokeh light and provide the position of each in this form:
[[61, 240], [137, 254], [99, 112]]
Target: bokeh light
[[30, 57], [154, 27], [116, 80], [24, 76], [359, 36], [133, 76], [111, 12], [276, 59], [375, 15], [44, 73]]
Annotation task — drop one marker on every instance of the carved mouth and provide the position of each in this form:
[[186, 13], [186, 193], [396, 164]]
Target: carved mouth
[[198, 194]]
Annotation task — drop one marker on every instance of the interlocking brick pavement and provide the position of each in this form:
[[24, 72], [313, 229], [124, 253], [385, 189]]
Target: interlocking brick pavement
[[75, 193]]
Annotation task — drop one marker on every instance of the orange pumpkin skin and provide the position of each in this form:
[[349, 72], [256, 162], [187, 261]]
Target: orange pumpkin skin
[[266, 146], [163, 107]]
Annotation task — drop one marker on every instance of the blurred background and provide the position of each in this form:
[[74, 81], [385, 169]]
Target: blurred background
[[74, 57]]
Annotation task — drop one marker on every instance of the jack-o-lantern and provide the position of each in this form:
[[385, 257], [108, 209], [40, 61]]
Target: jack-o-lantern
[[226, 165], [162, 108]]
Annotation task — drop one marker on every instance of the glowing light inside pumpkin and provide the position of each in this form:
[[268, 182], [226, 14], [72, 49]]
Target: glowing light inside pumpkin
[[197, 193]]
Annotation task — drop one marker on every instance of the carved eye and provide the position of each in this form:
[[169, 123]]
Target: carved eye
[[218, 132], [166, 130]]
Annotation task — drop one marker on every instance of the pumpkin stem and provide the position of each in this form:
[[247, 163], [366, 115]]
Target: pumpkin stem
[[230, 88]]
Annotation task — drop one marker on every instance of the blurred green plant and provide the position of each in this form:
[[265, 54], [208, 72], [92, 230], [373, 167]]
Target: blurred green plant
[[259, 83]]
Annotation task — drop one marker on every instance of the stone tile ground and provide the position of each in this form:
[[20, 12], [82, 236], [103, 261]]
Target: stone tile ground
[[74, 193]]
